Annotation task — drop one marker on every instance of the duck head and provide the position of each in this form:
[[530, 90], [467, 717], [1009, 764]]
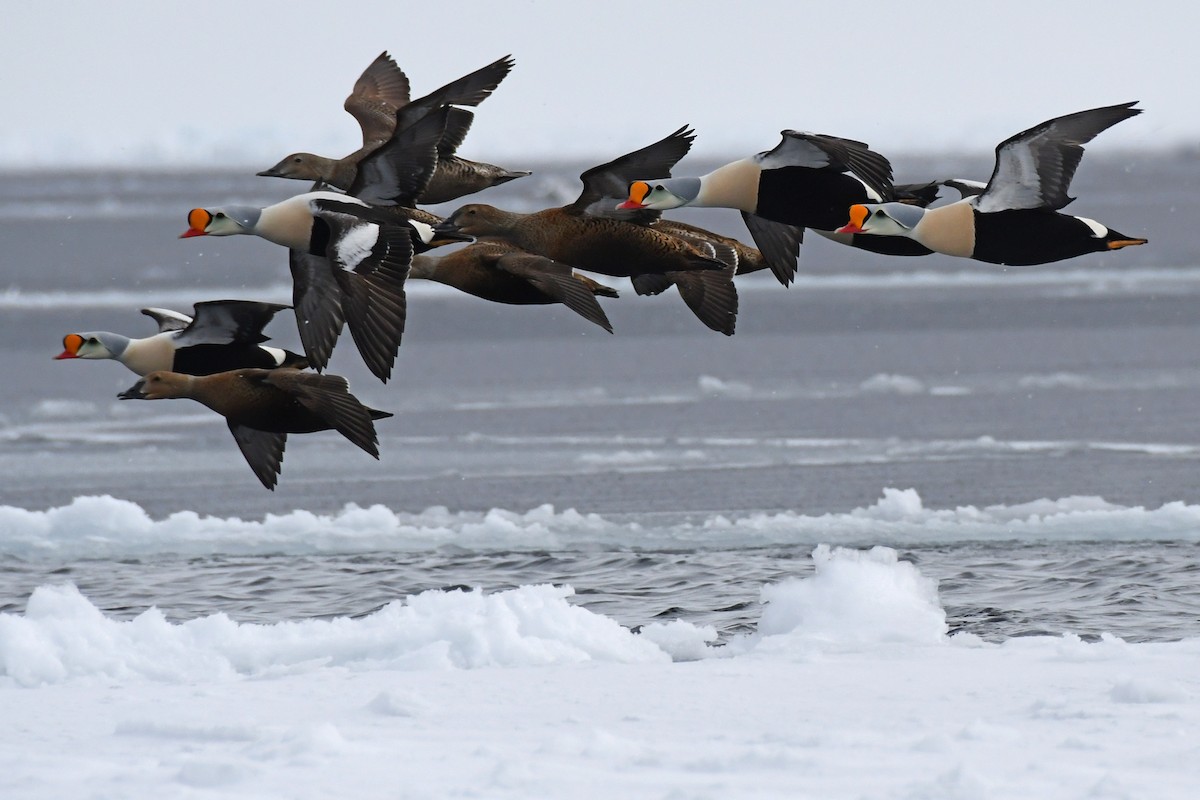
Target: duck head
[[299, 166], [883, 219], [221, 221], [94, 344], [661, 195], [158, 385], [476, 220]]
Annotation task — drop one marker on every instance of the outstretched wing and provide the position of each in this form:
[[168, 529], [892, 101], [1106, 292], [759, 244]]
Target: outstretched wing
[[263, 451], [608, 182], [167, 320], [228, 322], [396, 172], [778, 242], [1034, 168], [820, 151], [328, 396], [317, 298], [556, 280], [469, 90], [371, 261], [377, 94], [458, 124]]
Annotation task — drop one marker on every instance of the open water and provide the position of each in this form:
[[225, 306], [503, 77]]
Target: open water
[[665, 471]]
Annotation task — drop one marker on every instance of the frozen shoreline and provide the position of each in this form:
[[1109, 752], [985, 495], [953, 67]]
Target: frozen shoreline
[[850, 688]]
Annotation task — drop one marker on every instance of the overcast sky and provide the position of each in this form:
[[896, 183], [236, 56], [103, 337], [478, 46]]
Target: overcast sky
[[147, 81]]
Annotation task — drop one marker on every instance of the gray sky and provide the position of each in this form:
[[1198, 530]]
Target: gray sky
[[153, 82]]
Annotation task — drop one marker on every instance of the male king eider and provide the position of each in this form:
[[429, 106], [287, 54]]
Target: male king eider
[[808, 180], [224, 335], [1015, 220]]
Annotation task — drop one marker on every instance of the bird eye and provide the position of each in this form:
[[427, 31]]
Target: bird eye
[[297, 160], [220, 215], [93, 340]]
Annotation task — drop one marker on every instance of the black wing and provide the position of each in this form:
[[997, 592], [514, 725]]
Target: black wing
[[820, 151], [396, 172], [328, 396], [556, 280], [778, 242], [263, 451], [469, 90], [317, 298], [371, 279], [610, 181], [229, 321]]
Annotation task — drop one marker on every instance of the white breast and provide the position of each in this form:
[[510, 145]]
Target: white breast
[[147, 355], [734, 185]]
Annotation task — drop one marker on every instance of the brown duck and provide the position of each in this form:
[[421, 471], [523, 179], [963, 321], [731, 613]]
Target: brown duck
[[262, 406], [502, 273], [380, 102], [589, 234]]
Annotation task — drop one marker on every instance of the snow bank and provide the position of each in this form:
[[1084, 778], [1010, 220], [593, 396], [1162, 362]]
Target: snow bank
[[855, 598], [95, 527], [850, 688], [62, 636]]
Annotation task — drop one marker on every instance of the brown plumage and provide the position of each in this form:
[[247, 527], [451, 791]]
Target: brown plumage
[[597, 244], [263, 406], [611, 247], [745, 258], [503, 273], [380, 102], [590, 234]]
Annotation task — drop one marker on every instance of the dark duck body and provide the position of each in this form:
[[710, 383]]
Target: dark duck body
[[502, 273], [261, 407]]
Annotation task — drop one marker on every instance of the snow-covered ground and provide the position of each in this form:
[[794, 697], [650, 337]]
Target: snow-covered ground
[[850, 688]]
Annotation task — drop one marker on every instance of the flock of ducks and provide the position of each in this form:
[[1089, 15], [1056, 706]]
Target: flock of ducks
[[358, 235]]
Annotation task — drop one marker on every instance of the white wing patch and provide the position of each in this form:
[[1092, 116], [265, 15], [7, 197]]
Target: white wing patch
[[276, 353], [356, 244], [1098, 230], [875, 196], [423, 230]]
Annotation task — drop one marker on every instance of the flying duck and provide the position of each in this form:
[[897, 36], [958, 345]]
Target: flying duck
[[349, 257], [807, 181], [380, 102], [223, 335], [262, 406], [1015, 219], [348, 265], [502, 273], [590, 234]]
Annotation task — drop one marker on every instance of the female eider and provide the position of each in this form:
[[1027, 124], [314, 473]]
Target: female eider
[[501, 273], [263, 406], [380, 102]]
